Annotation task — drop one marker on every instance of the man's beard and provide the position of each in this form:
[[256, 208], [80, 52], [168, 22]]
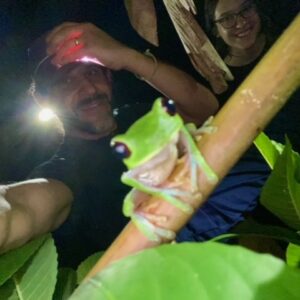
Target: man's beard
[[105, 126], [102, 127], [104, 123]]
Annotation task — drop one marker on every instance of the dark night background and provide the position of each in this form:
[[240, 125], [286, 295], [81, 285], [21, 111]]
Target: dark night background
[[24, 142]]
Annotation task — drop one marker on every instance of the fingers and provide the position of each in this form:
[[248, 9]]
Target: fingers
[[62, 34], [58, 28], [70, 40], [71, 57], [69, 48]]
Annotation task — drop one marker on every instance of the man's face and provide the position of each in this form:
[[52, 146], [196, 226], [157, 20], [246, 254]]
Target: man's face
[[82, 95]]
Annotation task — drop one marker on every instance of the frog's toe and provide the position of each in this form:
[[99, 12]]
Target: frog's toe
[[152, 232]]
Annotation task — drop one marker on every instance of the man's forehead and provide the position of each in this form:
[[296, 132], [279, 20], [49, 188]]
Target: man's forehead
[[77, 68]]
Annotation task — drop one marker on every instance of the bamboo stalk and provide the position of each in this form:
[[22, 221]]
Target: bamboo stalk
[[247, 112]]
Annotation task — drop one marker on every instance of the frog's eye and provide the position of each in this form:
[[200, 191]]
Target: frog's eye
[[169, 106], [121, 150]]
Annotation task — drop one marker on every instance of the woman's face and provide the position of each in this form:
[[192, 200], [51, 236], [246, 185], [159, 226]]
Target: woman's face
[[238, 23]]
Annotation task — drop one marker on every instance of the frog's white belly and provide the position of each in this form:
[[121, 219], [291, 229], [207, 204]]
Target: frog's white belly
[[158, 169]]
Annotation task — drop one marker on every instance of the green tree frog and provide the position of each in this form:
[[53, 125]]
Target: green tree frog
[[150, 149]]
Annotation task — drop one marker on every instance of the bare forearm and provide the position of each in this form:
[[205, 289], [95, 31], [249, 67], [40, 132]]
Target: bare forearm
[[194, 101], [17, 227], [36, 208]]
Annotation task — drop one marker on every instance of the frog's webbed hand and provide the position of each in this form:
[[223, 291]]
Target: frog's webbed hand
[[171, 195], [205, 128], [145, 221], [196, 160], [141, 220]]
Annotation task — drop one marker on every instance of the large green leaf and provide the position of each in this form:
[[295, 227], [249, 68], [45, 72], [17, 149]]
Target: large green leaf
[[194, 271], [281, 193], [37, 278], [293, 255], [87, 265], [268, 148], [13, 260], [66, 284], [8, 291]]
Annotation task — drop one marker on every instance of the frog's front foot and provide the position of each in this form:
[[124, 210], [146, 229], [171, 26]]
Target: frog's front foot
[[152, 225], [205, 128], [154, 233], [149, 224]]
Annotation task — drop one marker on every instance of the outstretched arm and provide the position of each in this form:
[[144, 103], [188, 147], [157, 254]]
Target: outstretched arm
[[194, 102], [73, 41], [37, 206]]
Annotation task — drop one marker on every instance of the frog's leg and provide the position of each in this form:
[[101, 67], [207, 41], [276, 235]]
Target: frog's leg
[[151, 231], [170, 195], [142, 219]]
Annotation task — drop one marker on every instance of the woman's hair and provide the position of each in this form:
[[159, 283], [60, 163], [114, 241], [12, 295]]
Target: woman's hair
[[268, 27], [211, 28]]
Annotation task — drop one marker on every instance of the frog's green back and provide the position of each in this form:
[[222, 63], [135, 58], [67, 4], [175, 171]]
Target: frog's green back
[[149, 134]]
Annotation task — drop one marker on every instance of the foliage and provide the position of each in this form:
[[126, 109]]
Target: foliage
[[293, 255], [281, 193], [194, 271], [13, 260], [87, 265], [208, 270], [37, 278], [66, 283], [251, 228], [269, 149]]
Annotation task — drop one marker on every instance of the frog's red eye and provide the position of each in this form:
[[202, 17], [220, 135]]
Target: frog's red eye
[[121, 150], [169, 106]]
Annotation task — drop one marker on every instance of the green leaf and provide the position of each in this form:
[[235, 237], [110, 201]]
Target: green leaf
[[293, 255], [281, 192], [250, 227], [87, 265], [268, 148], [8, 291], [66, 284], [13, 260], [194, 271], [36, 280]]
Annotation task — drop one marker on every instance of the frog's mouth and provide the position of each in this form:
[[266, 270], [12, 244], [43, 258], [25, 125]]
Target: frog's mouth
[[158, 168]]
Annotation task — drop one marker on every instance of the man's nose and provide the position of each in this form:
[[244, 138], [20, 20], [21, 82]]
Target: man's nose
[[87, 84]]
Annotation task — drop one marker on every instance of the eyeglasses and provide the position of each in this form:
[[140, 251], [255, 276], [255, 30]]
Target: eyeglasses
[[230, 20]]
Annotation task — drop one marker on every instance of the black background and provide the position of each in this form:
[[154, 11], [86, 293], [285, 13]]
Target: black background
[[24, 142]]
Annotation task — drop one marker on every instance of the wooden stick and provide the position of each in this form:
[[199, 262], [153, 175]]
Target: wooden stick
[[247, 112]]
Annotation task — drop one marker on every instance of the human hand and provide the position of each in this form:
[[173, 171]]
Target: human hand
[[71, 42]]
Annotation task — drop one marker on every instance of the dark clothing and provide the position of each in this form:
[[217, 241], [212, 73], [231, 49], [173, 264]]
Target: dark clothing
[[239, 191], [92, 172]]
